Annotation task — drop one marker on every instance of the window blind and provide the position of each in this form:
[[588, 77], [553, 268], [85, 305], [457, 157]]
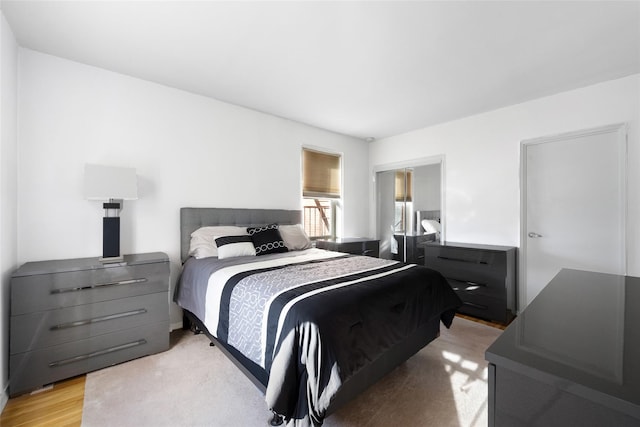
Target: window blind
[[321, 174], [404, 192]]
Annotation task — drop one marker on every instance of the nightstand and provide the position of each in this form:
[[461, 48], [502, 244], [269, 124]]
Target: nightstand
[[351, 245], [73, 316]]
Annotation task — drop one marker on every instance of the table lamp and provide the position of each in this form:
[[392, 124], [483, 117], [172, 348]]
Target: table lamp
[[113, 184]]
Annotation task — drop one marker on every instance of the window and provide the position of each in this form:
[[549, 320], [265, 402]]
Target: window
[[321, 182], [404, 185], [404, 197]]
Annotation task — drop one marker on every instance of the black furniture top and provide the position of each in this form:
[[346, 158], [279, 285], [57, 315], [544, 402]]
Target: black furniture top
[[351, 245], [581, 336]]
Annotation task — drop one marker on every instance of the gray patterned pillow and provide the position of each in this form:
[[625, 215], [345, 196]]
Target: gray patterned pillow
[[267, 239]]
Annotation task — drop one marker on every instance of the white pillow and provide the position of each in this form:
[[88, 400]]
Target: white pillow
[[431, 226], [294, 237], [203, 243], [234, 246]]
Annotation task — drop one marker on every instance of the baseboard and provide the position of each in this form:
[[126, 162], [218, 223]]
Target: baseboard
[[174, 326], [4, 398]]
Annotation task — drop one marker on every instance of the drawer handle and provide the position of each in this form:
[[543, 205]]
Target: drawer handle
[[98, 285], [367, 251], [466, 282], [97, 353], [446, 258], [97, 319], [480, 306], [484, 285]]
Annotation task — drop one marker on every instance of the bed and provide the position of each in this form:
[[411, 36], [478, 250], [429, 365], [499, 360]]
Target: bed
[[428, 222], [310, 328]]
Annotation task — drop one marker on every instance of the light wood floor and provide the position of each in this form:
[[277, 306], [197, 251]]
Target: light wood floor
[[484, 322], [61, 405]]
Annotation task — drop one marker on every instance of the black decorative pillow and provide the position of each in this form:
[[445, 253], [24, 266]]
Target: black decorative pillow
[[267, 239]]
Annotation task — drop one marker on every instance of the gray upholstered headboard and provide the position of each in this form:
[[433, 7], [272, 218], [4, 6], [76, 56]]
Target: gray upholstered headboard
[[193, 218]]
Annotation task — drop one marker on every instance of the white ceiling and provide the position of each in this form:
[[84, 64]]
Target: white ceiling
[[366, 69]]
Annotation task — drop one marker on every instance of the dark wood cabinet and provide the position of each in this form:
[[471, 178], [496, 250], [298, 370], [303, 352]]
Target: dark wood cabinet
[[351, 245], [483, 276]]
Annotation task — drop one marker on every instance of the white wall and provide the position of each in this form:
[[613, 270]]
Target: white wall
[[482, 158], [8, 188], [426, 188], [188, 150]]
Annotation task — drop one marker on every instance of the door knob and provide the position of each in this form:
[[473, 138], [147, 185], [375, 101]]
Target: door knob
[[534, 235]]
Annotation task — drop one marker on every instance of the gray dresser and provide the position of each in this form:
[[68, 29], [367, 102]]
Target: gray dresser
[[73, 316], [483, 276]]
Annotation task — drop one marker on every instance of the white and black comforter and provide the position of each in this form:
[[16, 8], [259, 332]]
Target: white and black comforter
[[313, 318]]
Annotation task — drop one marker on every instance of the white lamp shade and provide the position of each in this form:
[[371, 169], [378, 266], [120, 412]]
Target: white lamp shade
[[108, 182]]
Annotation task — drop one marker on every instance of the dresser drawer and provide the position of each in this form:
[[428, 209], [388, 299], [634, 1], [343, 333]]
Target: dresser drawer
[[34, 369], [488, 269], [463, 255], [467, 287], [482, 306], [46, 328], [56, 290]]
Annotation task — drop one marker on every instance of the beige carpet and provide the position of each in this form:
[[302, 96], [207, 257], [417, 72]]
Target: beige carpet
[[193, 384]]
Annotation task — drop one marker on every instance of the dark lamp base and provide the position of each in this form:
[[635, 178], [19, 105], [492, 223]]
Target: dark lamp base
[[110, 237]]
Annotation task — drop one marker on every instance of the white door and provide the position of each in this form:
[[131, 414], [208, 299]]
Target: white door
[[574, 206]]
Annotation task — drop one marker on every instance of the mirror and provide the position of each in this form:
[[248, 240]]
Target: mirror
[[408, 211]]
